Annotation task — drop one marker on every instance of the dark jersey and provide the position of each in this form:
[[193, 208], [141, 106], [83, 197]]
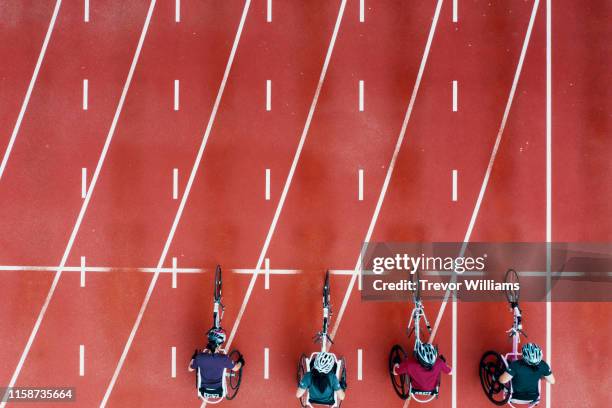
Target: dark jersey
[[526, 379], [210, 368]]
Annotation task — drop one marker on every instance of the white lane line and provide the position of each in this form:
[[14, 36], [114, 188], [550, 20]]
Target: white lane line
[[485, 181], [268, 95], [83, 182], [81, 360], [86, 11], [361, 11], [267, 274], [361, 103], [85, 94], [269, 271], [28, 94], [174, 273], [360, 186], [175, 184], [296, 158], [177, 11], [455, 105], [269, 12], [266, 363], [173, 362], [359, 364], [18, 268], [85, 204], [548, 193], [455, 11], [83, 270], [182, 204], [176, 94], [454, 193], [356, 275], [268, 184]]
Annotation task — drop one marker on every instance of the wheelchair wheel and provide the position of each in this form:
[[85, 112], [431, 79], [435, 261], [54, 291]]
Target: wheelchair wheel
[[399, 382], [491, 368], [301, 371], [511, 294], [234, 377], [342, 378]]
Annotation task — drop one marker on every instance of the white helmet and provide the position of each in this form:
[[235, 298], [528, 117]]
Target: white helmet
[[324, 362], [426, 354]]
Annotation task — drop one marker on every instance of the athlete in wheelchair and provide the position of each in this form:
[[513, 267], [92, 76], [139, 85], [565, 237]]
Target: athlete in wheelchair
[[322, 382], [423, 374]]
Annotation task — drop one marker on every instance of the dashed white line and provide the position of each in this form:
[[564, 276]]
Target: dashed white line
[[268, 95], [267, 184], [361, 11], [83, 270], [173, 362], [361, 103], [28, 94], [360, 185], [356, 275], [269, 12], [455, 11], [174, 273], [454, 188], [176, 94], [267, 274], [266, 363], [294, 163], [83, 182], [455, 105], [177, 11], [175, 184], [85, 94], [86, 11], [180, 210], [359, 364], [81, 360]]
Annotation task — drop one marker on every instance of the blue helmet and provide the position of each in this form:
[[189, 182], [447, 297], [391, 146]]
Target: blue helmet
[[532, 354]]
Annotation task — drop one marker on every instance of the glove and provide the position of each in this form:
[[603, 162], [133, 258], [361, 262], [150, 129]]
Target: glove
[[343, 384], [241, 360], [442, 358]]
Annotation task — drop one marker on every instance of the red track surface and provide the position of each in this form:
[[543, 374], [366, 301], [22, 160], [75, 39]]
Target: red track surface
[[322, 224]]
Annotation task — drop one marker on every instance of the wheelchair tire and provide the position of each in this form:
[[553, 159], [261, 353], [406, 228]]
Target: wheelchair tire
[[302, 369], [400, 385], [234, 377], [490, 369], [342, 376]]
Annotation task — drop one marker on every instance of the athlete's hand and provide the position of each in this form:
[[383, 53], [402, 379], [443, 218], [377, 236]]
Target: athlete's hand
[[241, 360]]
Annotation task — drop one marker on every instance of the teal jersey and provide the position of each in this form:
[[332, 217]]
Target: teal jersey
[[315, 394]]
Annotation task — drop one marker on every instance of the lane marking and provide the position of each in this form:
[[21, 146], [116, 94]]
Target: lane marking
[[267, 276], [356, 275], [360, 188], [266, 363], [269, 12], [268, 184], [548, 193], [175, 184], [85, 94], [359, 364], [182, 204], [28, 94], [174, 273], [268, 95], [296, 158], [177, 11], [361, 11], [176, 94], [361, 104], [269, 271], [454, 194], [455, 105], [173, 362], [83, 270], [81, 360], [455, 11], [83, 182], [85, 204], [86, 12]]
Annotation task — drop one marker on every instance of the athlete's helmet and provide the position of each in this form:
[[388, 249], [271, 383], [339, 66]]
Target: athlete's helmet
[[532, 354], [216, 336], [426, 354], [324, 362]]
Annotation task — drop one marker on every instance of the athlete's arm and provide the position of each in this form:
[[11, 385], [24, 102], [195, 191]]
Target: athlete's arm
[[505, 377], [300, 392], [550, 378], [340, 394]]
